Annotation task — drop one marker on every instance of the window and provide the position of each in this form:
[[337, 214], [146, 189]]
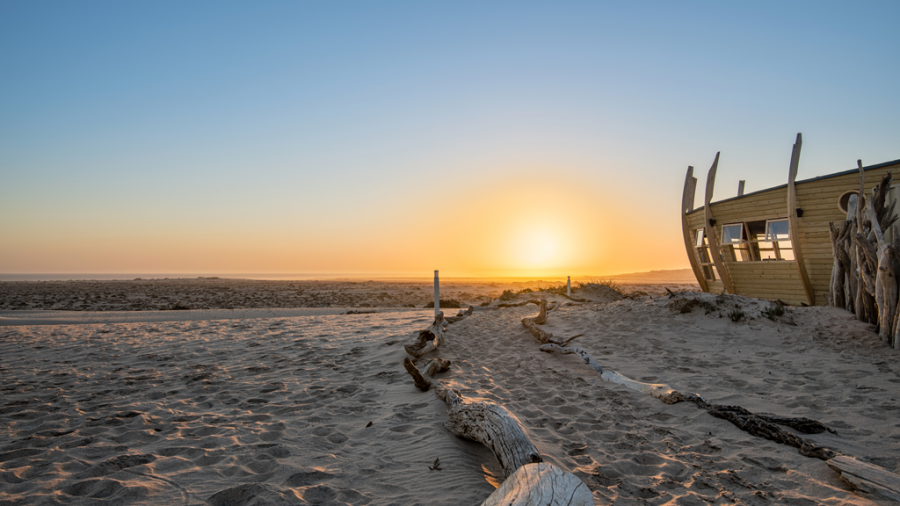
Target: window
[[778, 233], [844, 201], [735, 245], [701, 249], [769, 240]]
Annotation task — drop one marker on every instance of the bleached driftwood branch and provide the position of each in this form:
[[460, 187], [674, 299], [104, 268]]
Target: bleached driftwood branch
[[661, 391], [544, 337], [422, 379]]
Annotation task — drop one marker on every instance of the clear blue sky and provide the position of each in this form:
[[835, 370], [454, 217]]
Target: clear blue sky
[[153, 136]]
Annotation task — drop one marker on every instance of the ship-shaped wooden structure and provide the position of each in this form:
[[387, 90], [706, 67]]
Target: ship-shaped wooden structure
[[774, 243]]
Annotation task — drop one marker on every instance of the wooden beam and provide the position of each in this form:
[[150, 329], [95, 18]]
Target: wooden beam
[[687, 205], [712, 233], [793, 223], [741, 188]]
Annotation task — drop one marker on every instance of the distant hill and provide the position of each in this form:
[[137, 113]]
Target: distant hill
[[672, 276]]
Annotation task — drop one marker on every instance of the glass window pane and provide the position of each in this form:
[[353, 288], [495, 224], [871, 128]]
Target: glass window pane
[[732, 234], [699, 234], [787, 254], [777, 230]]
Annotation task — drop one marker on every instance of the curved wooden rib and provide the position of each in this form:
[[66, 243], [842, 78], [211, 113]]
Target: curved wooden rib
[[711, 232], [793, 223], [687, 205]]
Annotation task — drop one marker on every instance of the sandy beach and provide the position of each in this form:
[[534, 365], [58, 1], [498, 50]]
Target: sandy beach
[[316, 408]]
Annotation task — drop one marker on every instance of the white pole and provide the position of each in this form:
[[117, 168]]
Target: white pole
[[437, 294], [569, 286]]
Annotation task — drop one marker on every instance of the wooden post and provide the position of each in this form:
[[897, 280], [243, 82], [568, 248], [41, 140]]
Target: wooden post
[[437, 294], [741, 188], [687, 205], [793, 225], [712, 232], [569, 286]]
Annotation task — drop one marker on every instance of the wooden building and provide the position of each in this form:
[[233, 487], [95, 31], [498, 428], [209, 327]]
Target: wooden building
[[773, 243]]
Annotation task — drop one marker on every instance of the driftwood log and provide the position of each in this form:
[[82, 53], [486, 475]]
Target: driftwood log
[[529, 481], [661, 391]]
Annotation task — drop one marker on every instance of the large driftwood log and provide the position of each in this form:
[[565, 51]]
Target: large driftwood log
[[429, 339], [491, 425], [541, 485], [529, 481]]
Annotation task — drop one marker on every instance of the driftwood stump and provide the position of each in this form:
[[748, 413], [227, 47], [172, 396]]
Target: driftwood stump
[[429, 339]]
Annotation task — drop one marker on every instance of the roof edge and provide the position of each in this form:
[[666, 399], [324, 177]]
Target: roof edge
[[817, 178]]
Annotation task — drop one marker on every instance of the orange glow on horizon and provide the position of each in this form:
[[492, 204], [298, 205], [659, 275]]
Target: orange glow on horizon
[[512, 225]]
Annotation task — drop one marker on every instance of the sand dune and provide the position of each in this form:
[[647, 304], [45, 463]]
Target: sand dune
[[276, 410]]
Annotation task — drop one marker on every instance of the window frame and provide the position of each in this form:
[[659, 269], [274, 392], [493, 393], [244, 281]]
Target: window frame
[[741, 248], [708, 267]]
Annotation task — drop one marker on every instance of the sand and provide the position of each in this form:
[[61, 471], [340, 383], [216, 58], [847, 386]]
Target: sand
[[276, 408]]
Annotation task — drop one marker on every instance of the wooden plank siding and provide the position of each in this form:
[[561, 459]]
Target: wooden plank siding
[[818, 198]]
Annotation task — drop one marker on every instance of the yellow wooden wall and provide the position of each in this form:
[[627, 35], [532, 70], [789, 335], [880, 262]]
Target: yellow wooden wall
[[781, 279]]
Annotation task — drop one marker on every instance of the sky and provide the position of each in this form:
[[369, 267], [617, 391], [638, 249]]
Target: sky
[[480, 138]]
